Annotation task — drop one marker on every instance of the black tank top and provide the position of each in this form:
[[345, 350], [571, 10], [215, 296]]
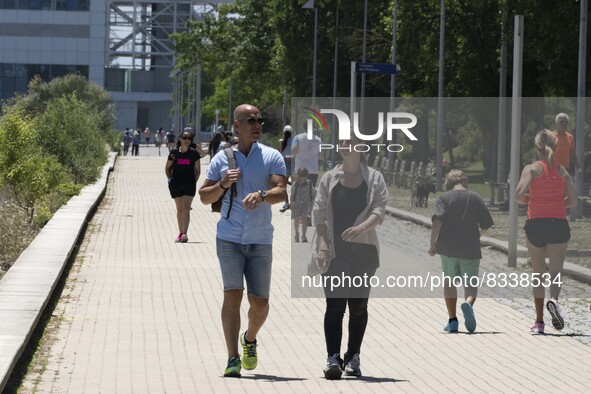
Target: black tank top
[[347, 204]]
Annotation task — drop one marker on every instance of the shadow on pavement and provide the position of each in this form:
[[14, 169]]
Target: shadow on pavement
[[373, 379], [271, 378], [565, 335], [473, 333]]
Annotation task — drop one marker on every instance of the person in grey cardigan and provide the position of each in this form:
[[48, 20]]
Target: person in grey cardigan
[[351, 201]]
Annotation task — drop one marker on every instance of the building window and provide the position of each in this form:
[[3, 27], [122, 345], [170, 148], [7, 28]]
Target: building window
[[15, 78], [56, 5]]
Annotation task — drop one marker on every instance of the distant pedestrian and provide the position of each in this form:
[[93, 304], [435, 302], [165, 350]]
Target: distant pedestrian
[[350, 203], [302, 198], [458, 222], [158, 139], [170, 140], [245, 233], [147, 134], [285, 150], [226, 141], [306, 153], [214, 144], [543, 186], [127, 139], [564, 153], [135, 143], [194, 145], [183, 170]]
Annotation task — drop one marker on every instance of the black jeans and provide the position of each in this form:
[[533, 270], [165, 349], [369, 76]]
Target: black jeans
[[352, 260], [333, 324]]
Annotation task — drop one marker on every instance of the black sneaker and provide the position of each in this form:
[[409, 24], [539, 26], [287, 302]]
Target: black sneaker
[[334, 367], [284, 208]]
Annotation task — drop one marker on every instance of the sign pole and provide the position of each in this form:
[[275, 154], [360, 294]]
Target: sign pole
[[515, 137]]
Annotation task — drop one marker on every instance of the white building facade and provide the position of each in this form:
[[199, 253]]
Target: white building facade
[[123, 46]]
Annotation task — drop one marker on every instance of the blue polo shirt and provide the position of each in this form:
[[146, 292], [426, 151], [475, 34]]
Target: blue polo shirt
[[247, 227]]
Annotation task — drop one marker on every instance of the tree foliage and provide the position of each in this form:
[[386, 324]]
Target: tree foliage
[[71, 132], [265, 48], [25, 169], [97, 99], [53, 141]]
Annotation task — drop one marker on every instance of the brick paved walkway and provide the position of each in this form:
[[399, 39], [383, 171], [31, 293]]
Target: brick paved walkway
[[141, 314]]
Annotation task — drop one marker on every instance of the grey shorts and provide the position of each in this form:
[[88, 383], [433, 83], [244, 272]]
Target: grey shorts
[[252, 262]]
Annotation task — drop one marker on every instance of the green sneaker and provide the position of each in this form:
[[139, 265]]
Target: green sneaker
[[250, 353], [233, 368]]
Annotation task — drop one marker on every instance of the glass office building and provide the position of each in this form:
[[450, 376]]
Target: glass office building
[[122, 45]]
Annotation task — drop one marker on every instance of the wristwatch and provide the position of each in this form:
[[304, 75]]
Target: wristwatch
[[263, 194]]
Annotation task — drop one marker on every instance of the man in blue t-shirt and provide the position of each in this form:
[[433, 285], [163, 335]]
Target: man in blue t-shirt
[[244, 231]]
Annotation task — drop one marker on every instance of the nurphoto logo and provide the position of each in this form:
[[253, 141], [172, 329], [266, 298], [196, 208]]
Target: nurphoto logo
[[390, 119]]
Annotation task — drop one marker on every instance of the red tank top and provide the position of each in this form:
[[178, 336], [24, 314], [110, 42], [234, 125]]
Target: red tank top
[[546, 194]]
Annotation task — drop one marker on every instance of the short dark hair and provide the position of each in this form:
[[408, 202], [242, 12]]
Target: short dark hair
[[302, 172]]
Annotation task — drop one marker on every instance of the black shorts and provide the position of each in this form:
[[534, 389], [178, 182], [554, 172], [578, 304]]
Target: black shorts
[[182, 187], [541, 232]]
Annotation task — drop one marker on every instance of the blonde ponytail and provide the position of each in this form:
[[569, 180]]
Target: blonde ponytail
[[545, 143]]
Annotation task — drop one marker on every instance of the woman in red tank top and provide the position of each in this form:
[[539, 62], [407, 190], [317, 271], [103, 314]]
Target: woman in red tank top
[[546, 187]]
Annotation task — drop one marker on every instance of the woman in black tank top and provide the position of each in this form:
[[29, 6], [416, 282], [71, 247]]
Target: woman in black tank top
[[346, 196]]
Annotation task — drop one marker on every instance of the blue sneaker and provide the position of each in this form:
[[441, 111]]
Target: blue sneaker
[[451, 326], [469, 319]]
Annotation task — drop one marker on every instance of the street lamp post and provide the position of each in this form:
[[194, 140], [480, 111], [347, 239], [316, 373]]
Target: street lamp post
[[310, 5], [393, 78], [217, 120], [440, 114]]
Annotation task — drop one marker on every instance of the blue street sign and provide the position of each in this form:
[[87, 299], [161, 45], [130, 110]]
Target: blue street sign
[[377, 68]]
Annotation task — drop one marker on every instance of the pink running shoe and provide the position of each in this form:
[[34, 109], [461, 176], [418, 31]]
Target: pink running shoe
[[178, 239], [537, 328]]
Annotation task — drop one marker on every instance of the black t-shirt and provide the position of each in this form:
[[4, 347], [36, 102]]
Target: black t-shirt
[[184, 164], [463, 214], [169, 137]]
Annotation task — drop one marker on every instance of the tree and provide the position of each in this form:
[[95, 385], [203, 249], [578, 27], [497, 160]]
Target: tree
[[97, 99], [25, 169], [265, 47], [70, 130]]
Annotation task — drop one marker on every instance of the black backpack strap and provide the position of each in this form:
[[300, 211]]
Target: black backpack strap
[[231, 166]]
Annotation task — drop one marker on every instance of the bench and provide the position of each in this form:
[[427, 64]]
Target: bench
[[376, 162], [494, 186], [389, 175], [425, 173], [399, 173], [384, 168], [408, 176]]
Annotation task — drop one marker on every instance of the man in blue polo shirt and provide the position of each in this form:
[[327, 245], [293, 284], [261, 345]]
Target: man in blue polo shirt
[[245, 232]]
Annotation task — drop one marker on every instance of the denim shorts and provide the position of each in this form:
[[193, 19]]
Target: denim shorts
[[252, 262]]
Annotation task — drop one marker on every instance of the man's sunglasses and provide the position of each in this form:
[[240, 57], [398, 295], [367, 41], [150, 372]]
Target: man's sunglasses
[[252, 121]]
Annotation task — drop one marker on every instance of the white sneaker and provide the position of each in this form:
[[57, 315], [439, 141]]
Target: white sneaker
[[556, 313]]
